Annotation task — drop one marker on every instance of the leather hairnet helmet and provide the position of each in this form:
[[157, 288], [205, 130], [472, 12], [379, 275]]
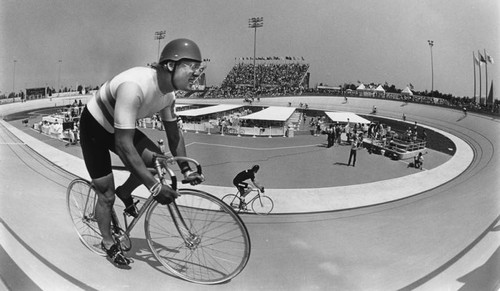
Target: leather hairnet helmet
[[179, 49]]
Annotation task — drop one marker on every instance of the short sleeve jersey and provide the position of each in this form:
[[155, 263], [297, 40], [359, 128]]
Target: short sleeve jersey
[[245, 175], [112, 111]]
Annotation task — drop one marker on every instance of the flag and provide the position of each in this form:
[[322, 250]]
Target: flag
[[411, 86], [489, 58], [477, 61], [481, 58]]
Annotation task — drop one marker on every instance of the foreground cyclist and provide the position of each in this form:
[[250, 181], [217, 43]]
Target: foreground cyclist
[[242, 186], [108, 124]]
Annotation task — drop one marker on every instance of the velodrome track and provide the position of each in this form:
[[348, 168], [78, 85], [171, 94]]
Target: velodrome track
[[447, 237]]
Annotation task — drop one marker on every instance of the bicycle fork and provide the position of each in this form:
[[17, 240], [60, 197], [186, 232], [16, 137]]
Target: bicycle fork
[[191, 239]]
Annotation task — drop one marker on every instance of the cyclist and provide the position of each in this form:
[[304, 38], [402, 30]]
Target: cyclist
[[242, 186], [108, 123]]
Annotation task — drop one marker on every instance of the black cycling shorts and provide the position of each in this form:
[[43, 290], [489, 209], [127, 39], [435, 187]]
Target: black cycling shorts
[[241, 186], [96, 143]]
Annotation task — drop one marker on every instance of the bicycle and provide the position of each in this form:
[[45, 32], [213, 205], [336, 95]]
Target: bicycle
[[197, 237], [260, 203]]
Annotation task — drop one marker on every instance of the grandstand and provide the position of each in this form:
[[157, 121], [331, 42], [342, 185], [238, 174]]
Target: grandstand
[[274, 77]]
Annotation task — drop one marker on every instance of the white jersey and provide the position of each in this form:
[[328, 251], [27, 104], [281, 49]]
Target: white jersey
[[112, 112]]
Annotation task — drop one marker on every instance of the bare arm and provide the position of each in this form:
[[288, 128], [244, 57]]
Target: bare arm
[[257, 184], [175, 138]]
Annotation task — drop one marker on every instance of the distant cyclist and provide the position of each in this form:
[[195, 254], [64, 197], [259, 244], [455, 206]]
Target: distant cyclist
[[243, 187], [108, 123]]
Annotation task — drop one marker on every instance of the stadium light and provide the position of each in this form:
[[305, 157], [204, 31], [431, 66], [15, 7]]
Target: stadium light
[[14, 78], [431, 44], [255, 22], [59, 78], [159, 35]]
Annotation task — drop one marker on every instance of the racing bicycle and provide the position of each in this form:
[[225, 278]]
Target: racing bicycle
[[260, 203], [197, 237]]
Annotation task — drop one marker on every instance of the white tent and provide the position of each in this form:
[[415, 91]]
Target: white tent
[[380, 89], [407, 91], [208, 110], [273, 113], [346, 117], [361, 87]]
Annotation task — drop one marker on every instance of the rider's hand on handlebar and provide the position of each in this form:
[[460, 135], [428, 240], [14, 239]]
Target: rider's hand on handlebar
[[262, 189], [166, 195], [193, 178]]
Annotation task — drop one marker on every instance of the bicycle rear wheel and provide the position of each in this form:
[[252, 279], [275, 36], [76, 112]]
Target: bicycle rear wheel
[[81, 199], [262, 205], [233, 201], [215, 247]]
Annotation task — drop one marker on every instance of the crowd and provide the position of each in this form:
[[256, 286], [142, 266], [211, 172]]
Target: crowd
[[272, 79]]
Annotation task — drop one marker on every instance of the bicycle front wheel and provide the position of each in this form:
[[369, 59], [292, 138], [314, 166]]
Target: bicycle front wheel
[[207, 244], [262, 205], [81, 199]]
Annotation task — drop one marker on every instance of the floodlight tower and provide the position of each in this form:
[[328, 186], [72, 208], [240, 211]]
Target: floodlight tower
[[159, 35], [255, 22], [14, 78], [431, 44]]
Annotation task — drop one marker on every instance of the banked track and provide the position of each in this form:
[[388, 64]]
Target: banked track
[[444, 238]]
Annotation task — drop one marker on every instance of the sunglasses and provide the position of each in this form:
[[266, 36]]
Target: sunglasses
[[198, 68]]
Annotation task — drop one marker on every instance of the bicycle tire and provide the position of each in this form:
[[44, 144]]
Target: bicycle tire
[[232, 201], [222, 246], [81, 199], [262, 205]]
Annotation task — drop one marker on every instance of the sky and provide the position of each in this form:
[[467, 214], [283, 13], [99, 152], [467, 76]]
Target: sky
[[68, 43]]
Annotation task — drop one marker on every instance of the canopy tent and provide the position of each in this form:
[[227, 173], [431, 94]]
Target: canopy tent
[[407, 91], [361, 87], [380, 89], [180, 106], [273, 113], [346, 117], [208, 110]]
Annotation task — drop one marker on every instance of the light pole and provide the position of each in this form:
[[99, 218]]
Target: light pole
[[59, 78], [255, 22], [14, 79], [431, 44], [159, 35]]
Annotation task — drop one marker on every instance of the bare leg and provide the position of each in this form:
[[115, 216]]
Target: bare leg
[[105, 189]]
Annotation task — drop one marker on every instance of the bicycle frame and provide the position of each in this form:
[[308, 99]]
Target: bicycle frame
[[254, 197], [161, 162]]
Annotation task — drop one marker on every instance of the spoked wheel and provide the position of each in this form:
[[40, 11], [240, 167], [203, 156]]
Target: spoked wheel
[[262, 205], [81, 199], [207, 244], [233, 201]]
